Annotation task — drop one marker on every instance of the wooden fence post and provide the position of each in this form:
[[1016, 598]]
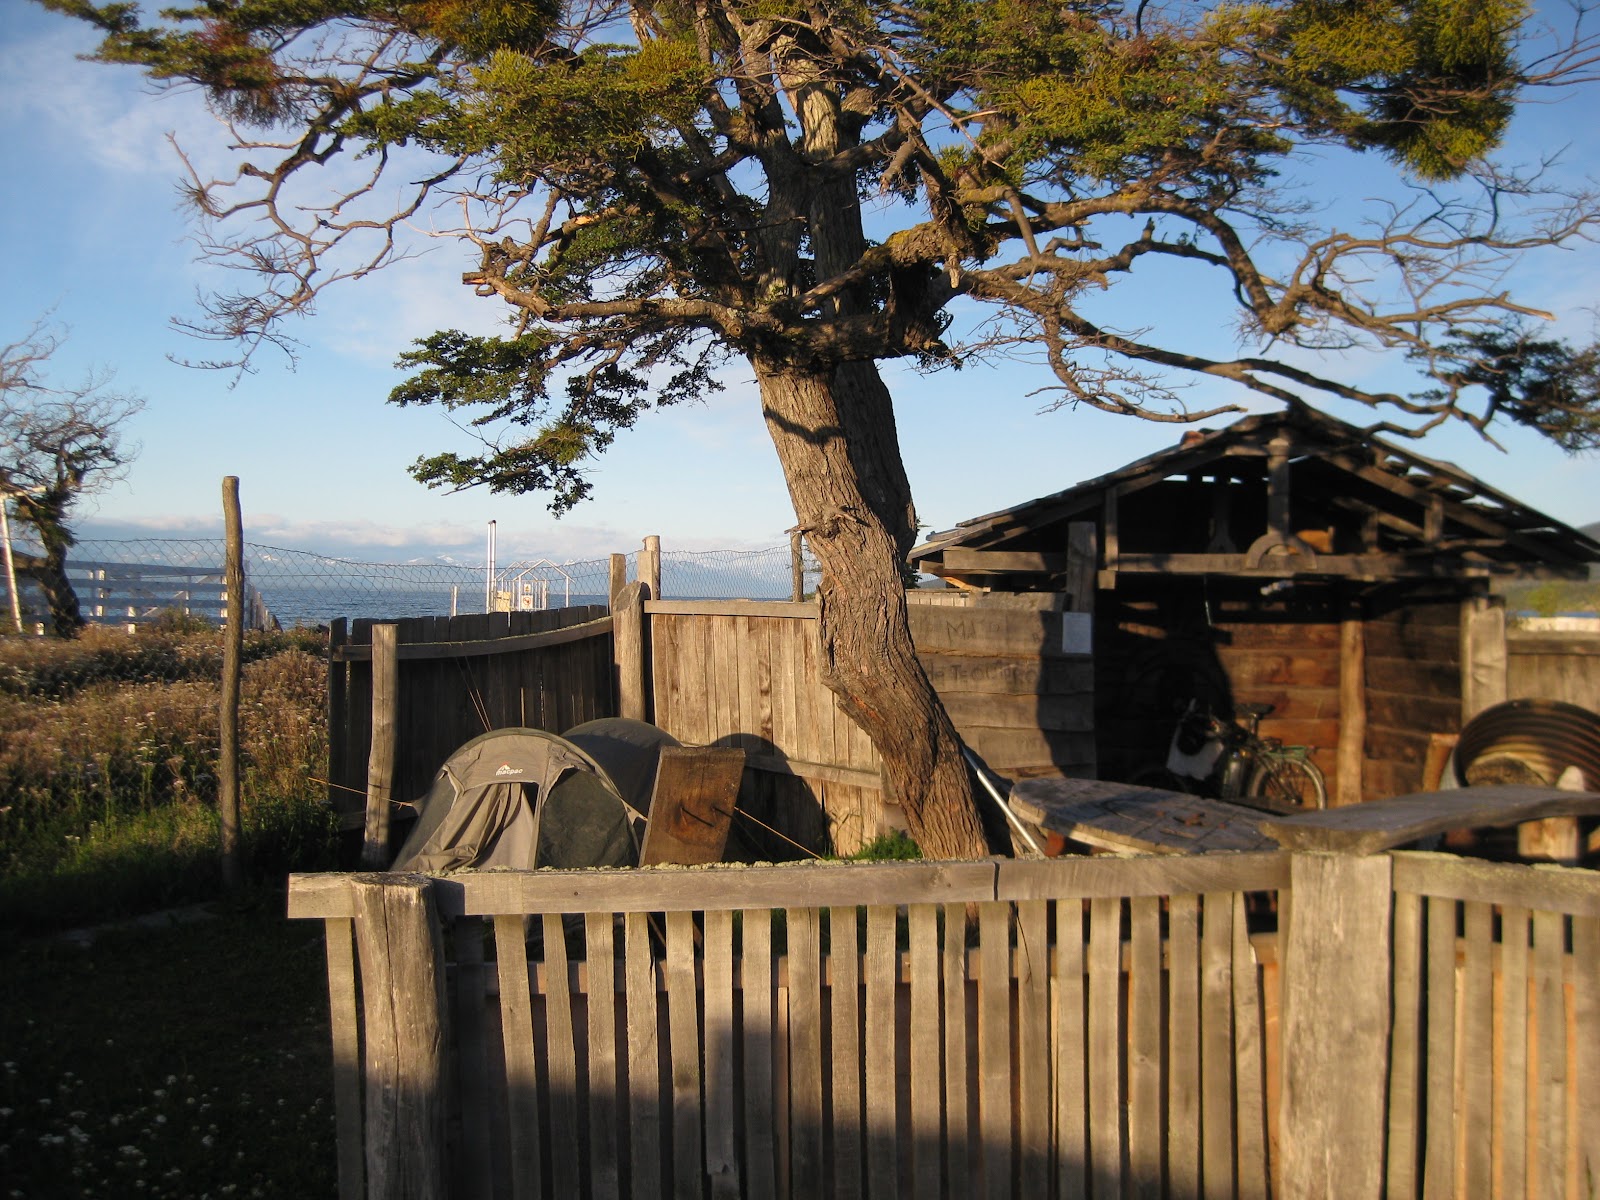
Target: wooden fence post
[[399, 942], [1336, 1019], [650, 566], [627, 633], [797, 566], [619, 578], [380, 759], [232, 659]]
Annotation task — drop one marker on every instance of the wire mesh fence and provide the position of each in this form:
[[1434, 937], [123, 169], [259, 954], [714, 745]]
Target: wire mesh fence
[[133, 581]]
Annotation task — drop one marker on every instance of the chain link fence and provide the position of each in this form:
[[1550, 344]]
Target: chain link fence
[[129, 582]]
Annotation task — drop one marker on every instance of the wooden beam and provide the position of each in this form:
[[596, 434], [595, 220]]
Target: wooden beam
[[475, 649], [807, 610], [1082, 560], [999, 562], [1339, 566], [1384, 824]]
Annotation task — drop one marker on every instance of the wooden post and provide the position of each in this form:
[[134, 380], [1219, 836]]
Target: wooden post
[[650, 566], [1352, 704], [1081, 564], [797, 566], [232, 659], [1483, 654], [1336, 1013], [619, 578], [399, 943], [380, 758], [338, 718], [627, 639]]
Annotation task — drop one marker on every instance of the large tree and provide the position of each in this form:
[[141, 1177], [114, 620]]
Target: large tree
[[652, 186], [57, 444]]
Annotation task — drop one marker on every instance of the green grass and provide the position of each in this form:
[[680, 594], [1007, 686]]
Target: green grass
[[189, 1061], [173, 1059]]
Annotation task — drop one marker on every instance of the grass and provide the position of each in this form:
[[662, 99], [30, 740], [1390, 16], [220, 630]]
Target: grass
[[191, 1061], [162, 1058]]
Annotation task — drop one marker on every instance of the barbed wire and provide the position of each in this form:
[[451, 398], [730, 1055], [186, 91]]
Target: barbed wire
[[133, 580]]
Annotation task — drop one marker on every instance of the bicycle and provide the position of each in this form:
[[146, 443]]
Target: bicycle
[[1229, 761]]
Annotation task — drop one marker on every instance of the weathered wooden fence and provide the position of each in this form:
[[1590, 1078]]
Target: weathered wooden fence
[[1110, 1028], [1554, 666], [453, 678], [1013, 671]]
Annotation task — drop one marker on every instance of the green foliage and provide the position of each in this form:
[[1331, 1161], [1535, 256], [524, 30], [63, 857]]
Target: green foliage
[[108, 766], [1543, 383], [894, 846]]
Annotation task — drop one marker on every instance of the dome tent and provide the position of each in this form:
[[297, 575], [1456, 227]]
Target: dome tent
[[529, 798]]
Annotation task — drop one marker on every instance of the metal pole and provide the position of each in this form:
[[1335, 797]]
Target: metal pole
[[488, 575], [11, 565]]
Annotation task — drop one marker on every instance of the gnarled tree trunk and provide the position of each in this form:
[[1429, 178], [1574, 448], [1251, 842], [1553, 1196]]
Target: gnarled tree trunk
[[841, 461]]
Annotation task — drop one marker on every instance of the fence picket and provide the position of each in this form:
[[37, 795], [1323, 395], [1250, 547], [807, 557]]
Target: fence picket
[[1477, 1050], [1033, 1047], [756, 991], [958, 1135], [605, 1111], [1512, 1085], [644, 1060], [926, 1085], [561, 1065], [1144, 1047], [994, 1047], [1216, 1045], [1183, 1042], [844, 963], [1105, 1037], [722, 1156], [516, 1031], [1439, 1112], [1405, 1042], [472, 1176], [1071, 1054], [1586, 1072], [1550, 1013], [882, 978], [1250, 1089], [683, 1024], [805, 1054]]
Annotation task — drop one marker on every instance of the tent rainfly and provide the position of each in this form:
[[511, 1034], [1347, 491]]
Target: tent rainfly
[[529, 798]]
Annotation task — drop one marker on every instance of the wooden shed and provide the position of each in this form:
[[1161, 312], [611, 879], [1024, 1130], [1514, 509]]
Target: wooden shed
[[1290, 559]]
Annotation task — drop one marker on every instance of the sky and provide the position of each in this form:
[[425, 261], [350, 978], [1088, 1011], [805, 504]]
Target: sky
[[94, 242]]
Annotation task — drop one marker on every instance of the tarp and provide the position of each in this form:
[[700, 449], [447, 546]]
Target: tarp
[[528, 798]]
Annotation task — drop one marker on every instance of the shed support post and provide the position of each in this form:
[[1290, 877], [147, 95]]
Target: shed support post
[[1336, 1020], [1483, 654], [1352, 704]]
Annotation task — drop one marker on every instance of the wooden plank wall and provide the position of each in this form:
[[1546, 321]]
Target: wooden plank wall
[[1554, 666], [746, 674], [843, 1031], [445, 702], [1159, 645], [1413, 690]]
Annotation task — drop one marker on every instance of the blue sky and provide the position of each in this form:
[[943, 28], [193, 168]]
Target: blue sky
[[92, 237]]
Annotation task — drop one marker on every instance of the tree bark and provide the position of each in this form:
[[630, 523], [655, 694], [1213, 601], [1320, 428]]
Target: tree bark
[[856, 516]]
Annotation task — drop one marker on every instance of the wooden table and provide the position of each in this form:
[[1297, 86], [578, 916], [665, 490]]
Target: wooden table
[[1138, 820]]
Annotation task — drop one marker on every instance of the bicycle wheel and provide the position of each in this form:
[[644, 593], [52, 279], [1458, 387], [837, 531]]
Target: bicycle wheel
[[1288, 785]]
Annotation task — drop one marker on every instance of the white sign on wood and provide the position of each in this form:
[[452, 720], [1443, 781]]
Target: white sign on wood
[[1077, 633]]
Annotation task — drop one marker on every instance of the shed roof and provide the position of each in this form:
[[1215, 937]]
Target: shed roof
[[1293, 493]]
